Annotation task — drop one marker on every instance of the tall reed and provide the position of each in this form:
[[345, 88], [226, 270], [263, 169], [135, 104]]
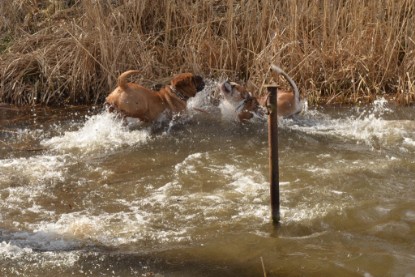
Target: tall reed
[[68, 51]]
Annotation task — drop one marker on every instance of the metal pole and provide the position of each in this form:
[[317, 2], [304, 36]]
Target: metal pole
[[273, 154]]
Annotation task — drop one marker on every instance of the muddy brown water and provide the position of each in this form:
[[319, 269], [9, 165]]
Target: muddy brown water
[[82, 194]]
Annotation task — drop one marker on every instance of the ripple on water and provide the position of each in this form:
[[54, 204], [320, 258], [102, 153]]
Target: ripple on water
[[202, 193]]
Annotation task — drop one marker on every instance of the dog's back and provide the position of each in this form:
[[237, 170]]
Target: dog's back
[[288, 102], [134, 100]]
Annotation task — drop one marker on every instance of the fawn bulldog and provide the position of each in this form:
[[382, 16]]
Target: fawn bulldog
[[133, 100], [246, 106]]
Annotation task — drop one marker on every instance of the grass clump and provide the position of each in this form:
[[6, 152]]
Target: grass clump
[[71, 51]]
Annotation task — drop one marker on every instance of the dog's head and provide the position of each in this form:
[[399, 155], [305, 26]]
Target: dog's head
[[245, 104], [187, 84], [233, 92]]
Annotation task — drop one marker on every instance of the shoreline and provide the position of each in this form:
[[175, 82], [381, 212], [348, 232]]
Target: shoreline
[[71, 52]]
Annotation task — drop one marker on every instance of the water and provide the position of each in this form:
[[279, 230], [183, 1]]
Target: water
[[83, 194]]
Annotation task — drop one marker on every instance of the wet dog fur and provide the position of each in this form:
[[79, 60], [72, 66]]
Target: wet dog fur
[[247, 106], [134, 100]]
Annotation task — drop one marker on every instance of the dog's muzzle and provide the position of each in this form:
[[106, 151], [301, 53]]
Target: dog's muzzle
[[200, 84]]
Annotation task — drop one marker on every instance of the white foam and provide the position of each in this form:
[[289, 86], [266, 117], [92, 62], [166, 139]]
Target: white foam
[[135, 224], [35, 169], [369, 127], [228, 111], [101, 131], [189, 164], [242, 198], [201, 99], [409, 142], [70, 230], [202, 102], [20, 251], [247, 182], [25, 242], [409, 216], [9, 250], [303, 213]]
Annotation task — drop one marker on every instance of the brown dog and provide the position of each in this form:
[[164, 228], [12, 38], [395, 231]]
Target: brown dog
[[133, 100], [247, 106], [288, 102]]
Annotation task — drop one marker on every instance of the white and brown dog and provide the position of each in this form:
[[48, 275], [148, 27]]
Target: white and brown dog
[[239, 103], [246, 106], [133, 100]]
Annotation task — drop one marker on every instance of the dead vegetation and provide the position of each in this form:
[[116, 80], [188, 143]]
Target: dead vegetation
[[71, 51]]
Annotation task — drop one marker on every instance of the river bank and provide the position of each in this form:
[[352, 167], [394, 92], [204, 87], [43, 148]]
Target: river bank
[[71, 52]]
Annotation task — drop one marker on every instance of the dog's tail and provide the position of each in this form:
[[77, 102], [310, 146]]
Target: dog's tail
[[291, 81], [122, 79]]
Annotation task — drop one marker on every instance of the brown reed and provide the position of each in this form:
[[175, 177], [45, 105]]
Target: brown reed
[[71, 51]]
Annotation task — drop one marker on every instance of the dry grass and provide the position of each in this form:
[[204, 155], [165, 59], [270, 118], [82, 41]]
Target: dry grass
[[71, 51]]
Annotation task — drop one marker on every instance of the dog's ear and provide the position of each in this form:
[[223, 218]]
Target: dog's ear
[[188, 83], [182, 81], [184, 84]]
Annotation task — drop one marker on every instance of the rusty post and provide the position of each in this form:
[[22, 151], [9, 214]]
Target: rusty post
[[273, 153]]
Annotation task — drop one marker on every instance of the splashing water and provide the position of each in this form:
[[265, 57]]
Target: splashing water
[[368, 127], [201, 192], [103, 131]]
